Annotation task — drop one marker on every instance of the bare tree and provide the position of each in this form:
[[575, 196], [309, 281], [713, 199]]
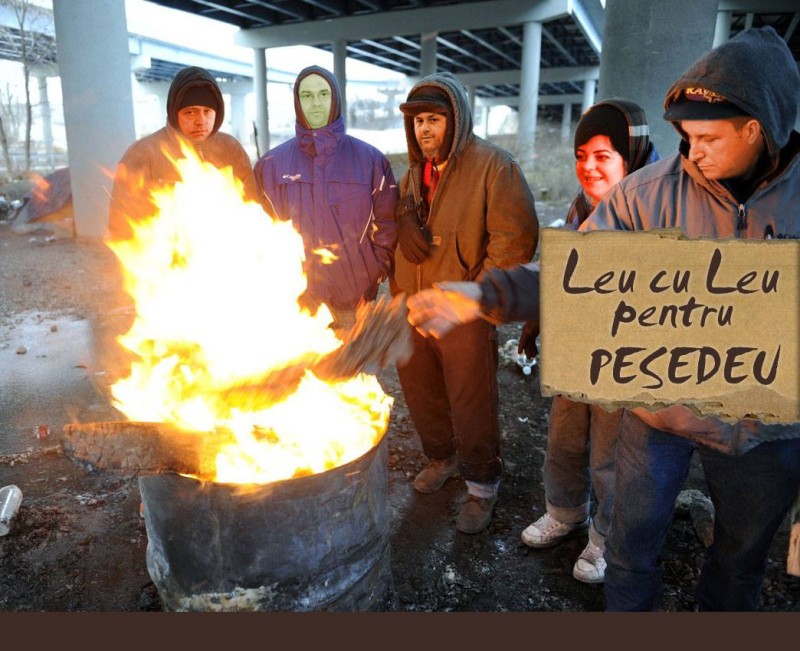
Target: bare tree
[[29, 42], [5, 111]]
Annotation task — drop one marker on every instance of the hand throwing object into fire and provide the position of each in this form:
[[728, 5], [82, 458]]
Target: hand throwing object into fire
[[381, 336]]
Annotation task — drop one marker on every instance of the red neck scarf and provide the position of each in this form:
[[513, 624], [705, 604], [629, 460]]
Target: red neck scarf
[[430, 178]]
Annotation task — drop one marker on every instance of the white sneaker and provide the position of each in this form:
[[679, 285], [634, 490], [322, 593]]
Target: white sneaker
[[590, 566], [548, 531]]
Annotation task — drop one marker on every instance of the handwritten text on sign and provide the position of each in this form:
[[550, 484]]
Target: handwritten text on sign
[[651, 319]]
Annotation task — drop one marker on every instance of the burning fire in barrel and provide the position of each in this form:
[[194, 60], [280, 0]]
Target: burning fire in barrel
[[259, 440]]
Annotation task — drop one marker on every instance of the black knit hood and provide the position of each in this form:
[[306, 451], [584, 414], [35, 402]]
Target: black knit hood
[[639, 149], [186, 79], [756, 72], [336, 95]]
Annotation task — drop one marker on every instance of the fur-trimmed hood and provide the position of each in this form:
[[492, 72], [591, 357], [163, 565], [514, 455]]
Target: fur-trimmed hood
[[457, 95]]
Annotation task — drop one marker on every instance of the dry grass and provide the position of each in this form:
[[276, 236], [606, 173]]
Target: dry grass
[[550, 171]]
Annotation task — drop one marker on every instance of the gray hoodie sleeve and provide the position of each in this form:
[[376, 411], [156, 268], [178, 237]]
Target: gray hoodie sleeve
[[511, 294]]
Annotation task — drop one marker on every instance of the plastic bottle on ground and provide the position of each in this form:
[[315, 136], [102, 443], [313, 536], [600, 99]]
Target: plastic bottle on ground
[[10, 499]]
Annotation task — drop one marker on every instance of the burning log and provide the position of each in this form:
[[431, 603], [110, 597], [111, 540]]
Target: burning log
[[133, 448]]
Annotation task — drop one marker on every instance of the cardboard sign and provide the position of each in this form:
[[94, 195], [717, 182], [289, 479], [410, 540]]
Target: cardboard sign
[[650, 319]]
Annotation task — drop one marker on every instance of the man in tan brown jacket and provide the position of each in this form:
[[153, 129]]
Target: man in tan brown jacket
[[465, 208], [195, 111]]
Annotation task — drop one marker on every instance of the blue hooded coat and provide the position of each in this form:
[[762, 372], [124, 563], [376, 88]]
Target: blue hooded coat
[[340, 194]]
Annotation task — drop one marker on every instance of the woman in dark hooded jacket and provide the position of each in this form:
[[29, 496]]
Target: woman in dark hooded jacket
[[611, 141]]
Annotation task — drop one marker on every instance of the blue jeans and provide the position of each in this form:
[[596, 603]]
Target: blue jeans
[[752, 494], [581, 441]]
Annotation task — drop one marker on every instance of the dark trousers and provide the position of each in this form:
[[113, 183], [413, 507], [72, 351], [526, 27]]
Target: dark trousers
[[450, 387], [751, 493]]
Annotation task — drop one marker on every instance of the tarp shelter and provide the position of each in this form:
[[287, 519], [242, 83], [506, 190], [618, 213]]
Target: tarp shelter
[[48, 202]]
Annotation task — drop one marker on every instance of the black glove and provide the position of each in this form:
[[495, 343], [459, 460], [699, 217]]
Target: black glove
[[527, 339], [411, 235]]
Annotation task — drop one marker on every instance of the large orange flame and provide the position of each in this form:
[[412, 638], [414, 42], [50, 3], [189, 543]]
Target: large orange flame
[[215, 283]]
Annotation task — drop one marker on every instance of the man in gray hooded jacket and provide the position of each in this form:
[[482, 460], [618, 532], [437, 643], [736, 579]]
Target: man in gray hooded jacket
[[736, 174]]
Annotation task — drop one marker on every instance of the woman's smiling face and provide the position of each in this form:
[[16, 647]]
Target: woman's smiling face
[[598, 166]]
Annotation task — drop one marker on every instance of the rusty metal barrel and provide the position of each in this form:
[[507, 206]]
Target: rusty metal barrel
[[313, 543]]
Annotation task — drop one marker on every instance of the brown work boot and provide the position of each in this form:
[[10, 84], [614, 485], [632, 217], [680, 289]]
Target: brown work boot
[[433, 476], [475, 513]]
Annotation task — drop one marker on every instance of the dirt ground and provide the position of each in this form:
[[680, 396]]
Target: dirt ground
[[78, 543]]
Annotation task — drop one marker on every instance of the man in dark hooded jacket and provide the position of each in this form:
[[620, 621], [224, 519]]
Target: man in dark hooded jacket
[[465, 209], [339, 193], [736, 174], [195, 111]]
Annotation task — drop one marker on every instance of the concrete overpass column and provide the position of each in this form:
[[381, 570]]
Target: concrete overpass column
[[340, 71], [262, 105], [46, 117], [427, 65], [566, 121], [238, 128], [722, 29], [589, 87], [670, 36], [485, 129], [161, 90], [152, 95], [529, 92], [94, 64]]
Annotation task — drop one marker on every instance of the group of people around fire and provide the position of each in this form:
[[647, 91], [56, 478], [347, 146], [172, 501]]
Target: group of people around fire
[[457, 236]]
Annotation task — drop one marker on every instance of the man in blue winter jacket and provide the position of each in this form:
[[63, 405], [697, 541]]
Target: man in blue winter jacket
[[340, 194]]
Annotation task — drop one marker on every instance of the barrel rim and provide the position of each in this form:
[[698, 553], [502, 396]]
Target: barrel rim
[[249, 488]]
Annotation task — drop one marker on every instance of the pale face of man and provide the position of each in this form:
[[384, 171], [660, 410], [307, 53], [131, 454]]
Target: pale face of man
[[429, 130], [196, 122], [598, 166], [315, 100], [724, 149]]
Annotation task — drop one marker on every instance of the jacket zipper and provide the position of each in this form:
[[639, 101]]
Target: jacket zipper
[[417, 197], [741, 220], [371, 217], [741, 226], [430, 214], [271, 205]]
